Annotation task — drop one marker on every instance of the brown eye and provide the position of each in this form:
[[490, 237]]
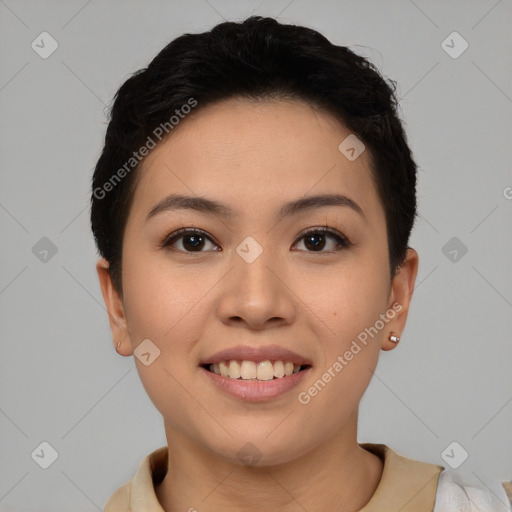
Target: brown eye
[[315, 240], [192, 240]]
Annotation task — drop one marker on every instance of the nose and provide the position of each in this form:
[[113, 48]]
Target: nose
[[257, 292]]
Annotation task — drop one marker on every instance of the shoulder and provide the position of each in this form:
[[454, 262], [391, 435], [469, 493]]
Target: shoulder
[[139, 493], [455, 496], [120, 500]]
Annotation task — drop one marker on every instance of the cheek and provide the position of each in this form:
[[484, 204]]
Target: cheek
[[163, 302], [351, 348], [347, 304], [168, 307], [351, 295]]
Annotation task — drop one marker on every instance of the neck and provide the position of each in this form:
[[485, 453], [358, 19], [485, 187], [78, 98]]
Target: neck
[[336, 475]]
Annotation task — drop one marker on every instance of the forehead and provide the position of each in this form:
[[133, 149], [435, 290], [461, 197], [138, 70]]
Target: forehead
[[255, 155]]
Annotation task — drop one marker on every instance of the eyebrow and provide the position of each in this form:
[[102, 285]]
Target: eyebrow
[[205, 205]]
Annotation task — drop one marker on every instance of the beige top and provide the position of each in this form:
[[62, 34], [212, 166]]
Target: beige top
[[406, 485]]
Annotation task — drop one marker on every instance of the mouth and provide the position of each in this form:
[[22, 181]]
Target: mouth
[[255, 381], [255, 371]]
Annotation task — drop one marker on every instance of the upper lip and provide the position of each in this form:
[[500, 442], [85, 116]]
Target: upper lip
[[257, 354]]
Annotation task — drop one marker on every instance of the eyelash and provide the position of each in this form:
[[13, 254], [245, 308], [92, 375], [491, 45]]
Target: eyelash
[[342, 241]]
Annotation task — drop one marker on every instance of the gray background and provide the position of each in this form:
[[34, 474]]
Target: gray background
[[60, 378]]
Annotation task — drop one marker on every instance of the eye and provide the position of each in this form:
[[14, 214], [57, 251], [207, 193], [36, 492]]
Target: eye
[[314, 239], [192, 240]]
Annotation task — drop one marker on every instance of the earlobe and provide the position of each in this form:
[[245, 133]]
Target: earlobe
[[113, 304], [402, 288]]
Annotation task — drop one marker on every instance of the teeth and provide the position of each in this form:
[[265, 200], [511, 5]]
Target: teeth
[[234, 369], [249, 370], [265, 370], [224, 369], [278, 369]]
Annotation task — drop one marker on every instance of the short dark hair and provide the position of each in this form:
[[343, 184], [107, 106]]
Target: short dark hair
[[258, 58]]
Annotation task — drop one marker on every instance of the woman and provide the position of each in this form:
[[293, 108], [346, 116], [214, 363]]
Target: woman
[[252, 207]]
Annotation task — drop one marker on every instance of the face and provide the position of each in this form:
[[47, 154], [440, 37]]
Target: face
[[312, 281]]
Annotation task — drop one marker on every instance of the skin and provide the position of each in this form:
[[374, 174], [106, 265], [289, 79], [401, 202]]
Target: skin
[[254, 157]]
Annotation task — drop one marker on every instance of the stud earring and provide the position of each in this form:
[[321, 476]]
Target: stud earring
[[394, 339], [117, 347]]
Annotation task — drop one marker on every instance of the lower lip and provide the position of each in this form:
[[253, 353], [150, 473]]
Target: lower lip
[[256, 391]]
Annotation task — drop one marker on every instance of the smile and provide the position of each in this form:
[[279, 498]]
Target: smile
[[255, 381], [254, 371]]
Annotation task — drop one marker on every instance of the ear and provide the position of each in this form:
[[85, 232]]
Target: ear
[[402, 288], [115, 310]]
